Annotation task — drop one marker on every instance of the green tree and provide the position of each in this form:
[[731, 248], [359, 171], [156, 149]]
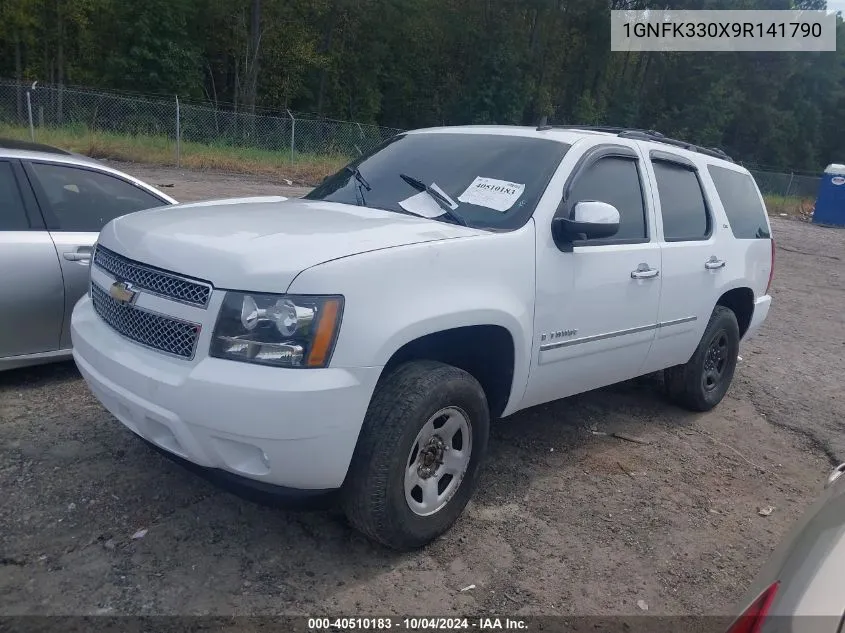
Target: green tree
[[413, 63]]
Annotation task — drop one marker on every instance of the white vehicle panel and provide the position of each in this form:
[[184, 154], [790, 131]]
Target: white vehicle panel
[[395, 296], [594, 323], [606, 320], [262, 246], [287, 427]]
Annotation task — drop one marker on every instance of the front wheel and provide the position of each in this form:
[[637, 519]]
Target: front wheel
[[704, 380], [418, 457]]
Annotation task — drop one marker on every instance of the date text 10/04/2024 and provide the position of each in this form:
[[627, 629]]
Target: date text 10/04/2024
[[417, 624]]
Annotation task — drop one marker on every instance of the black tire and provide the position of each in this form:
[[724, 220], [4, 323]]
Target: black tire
[[373, 495], [703, 381]]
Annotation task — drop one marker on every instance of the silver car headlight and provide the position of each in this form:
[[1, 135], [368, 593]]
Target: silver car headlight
[[296, 331]]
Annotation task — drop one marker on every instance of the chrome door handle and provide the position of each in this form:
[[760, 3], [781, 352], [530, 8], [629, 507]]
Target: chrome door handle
[[643, 271], [714, 262], [73, 256]]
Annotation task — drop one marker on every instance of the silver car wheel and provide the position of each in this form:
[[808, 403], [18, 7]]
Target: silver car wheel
[[438, 459]]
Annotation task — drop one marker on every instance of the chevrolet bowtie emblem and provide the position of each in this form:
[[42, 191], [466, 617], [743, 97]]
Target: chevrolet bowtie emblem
[[123, 291]]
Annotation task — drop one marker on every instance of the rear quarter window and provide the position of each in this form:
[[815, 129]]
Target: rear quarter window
[[746, 213]]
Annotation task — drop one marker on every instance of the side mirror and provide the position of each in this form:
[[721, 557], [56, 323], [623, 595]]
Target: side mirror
[[590, 220]]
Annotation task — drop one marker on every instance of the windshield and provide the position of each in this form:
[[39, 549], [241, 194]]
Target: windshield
[[494, 180]]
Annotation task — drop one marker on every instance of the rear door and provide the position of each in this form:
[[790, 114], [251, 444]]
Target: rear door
[[77, 202], [31, 290], [694, 258]]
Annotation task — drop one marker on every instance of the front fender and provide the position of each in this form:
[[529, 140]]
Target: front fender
[[455, 318], [394, 296]]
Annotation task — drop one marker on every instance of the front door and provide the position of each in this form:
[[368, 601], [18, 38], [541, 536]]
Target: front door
[[77, 202], [596, 307]]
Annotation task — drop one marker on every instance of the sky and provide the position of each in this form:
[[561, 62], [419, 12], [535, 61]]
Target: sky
[[836, 5]]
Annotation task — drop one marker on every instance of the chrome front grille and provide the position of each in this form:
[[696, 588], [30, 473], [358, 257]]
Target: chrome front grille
[[160, 282], [157, 331]]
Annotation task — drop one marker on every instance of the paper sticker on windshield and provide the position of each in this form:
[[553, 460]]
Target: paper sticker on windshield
[[422, 204], [425, 204], [499, 195]]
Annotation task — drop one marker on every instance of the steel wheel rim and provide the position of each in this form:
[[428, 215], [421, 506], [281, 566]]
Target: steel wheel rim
[[438, 461], [715, 361]]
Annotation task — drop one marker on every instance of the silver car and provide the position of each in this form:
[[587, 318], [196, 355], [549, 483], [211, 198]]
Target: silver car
[[802, 586], [53, 205]]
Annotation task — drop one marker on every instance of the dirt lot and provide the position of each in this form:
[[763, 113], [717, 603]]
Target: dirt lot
[[565, 521], [186, 185]]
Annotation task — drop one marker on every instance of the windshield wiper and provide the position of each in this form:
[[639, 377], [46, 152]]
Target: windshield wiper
[[439, 198], [357, 173], [362, 183]]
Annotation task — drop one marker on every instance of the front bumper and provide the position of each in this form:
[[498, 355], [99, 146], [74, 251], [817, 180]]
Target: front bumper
[[295, 428], [761, 311], [253, 489]]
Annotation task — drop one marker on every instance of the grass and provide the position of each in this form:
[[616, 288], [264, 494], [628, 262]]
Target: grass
[[791, 206], [306, 169]]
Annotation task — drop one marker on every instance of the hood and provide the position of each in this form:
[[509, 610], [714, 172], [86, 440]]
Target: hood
[[219, 201], [262, 244]]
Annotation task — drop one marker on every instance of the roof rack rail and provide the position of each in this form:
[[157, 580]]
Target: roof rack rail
[[642, 135], [597, 128]]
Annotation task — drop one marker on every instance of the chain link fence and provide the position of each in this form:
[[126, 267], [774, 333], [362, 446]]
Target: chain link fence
[[773, 183], [178, 127]]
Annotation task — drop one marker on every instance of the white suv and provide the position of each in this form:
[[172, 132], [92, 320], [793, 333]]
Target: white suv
[[361, 339]]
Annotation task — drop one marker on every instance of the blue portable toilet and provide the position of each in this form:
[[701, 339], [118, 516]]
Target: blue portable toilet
[[830, 204]]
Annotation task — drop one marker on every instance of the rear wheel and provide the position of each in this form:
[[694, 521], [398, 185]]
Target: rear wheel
[[704, 380], [417, 460]]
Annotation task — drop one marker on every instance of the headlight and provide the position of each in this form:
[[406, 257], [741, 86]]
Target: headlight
[[280, 330]]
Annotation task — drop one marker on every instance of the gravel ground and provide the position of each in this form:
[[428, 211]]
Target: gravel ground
[[186, 185], [565, 520]]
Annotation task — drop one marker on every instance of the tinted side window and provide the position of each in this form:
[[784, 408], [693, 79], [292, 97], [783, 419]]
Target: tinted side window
[[12, 212], [85, 200], [746, 214], [615, 181], [682, 203]]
